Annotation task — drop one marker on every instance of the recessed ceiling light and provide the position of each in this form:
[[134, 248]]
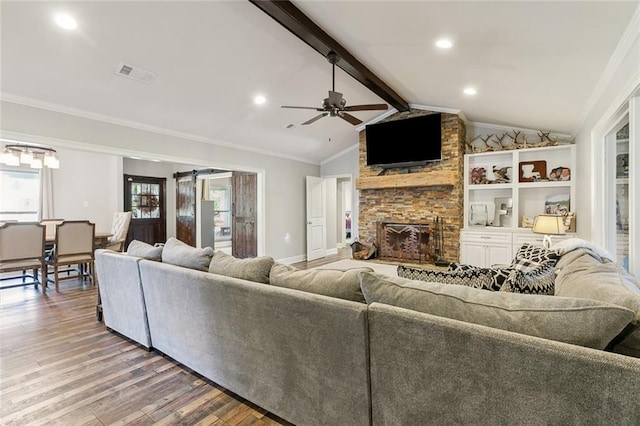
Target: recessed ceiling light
[[470, 91], [66, 21], [259, 100], [444, 43]]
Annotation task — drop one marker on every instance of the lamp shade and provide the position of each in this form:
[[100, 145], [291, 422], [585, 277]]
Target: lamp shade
[[548, 224]]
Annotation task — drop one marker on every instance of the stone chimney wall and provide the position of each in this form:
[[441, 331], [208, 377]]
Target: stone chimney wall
[[418, 204]]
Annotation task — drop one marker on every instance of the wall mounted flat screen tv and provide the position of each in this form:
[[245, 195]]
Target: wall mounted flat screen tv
[[403, 143]]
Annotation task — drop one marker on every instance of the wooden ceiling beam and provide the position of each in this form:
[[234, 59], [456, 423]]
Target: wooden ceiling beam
[[292, 18]]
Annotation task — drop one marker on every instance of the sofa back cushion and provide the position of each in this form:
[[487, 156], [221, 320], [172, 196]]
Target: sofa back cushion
[[144, 250], [578, 321], [343, 284], [582, 273], [254, 269], [178, 253]]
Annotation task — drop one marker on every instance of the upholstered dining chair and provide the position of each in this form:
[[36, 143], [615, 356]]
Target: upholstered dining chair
[[22, 248], [73, 246], [119, 229], [50, 227]]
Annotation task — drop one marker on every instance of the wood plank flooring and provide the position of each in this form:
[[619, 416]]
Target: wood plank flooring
[[59, 366]]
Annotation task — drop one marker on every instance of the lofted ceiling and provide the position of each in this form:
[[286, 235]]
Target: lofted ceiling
[[534, 64]]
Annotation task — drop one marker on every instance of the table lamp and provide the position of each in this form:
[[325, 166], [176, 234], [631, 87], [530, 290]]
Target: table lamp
[[548, 224]]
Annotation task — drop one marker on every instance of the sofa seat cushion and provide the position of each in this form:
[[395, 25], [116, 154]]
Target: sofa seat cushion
[[583, 273], [175, 252], [473, 277], [146, 251], [254, 269], [343, 284], [571, 320]]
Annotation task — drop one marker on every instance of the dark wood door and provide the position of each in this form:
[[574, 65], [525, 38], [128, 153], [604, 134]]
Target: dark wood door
[[244, 242], [186, 208], [144, 197]]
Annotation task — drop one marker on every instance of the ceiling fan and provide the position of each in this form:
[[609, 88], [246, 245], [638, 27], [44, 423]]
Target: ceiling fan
[[335, 105]]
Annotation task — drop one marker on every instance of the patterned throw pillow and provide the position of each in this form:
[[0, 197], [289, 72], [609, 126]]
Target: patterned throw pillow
[[477, 278], [537, 254], [540, 280], [526, 265], [498, 275]]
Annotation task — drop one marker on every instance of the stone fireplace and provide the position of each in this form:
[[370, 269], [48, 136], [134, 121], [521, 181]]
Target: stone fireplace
[[417, 195]]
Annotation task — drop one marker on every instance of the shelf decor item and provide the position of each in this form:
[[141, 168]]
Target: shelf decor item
[[532, 171], [558, 204], [479, 176], [560, 173], [501, 174], [479, 215]]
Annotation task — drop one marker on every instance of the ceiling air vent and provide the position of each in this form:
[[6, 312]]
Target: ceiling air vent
[[135, 73]]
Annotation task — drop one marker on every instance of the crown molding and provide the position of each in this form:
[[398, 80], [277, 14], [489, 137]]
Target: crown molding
[[35, 103], [117, 151]]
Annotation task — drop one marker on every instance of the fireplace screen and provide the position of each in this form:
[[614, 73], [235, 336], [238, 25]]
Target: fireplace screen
[[404, 242]]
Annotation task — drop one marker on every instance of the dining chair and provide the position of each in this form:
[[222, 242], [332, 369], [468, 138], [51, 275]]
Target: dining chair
[[22, 246], [119, 229], [50, 227], [73, 246]]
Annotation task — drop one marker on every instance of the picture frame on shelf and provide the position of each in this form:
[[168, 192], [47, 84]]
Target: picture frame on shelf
[[532, 171], [559, 204], [560, 174]]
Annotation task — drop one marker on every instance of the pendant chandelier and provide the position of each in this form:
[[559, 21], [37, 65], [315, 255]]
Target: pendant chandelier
[[34, 155]]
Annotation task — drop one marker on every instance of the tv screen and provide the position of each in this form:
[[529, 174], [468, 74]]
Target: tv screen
[[403, 143]]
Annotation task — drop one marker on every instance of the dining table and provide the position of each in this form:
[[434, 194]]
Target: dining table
[[100, 239]]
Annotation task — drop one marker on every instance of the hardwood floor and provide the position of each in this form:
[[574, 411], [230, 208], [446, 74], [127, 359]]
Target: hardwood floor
[[59, 366]]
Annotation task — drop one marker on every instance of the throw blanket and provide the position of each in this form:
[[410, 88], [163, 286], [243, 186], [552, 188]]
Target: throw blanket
[[570, 244]]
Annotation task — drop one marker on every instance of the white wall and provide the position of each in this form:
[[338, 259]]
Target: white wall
[[619, 82], [284, 179], [87, 186]]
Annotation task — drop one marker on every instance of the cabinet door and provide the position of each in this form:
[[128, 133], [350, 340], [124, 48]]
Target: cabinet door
[[498, 254], [473, 254]]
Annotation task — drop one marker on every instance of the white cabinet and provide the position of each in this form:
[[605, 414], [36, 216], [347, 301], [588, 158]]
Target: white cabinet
[[505, 189], [485, 249]]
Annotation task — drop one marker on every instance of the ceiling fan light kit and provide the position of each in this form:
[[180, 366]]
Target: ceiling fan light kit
[[335, 105]]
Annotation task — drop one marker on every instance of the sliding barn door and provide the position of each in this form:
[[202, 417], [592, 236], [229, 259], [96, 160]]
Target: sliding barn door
[[186, 208], [244, 214]]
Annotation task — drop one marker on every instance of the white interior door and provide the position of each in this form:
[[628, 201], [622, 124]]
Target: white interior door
[[316, 218]]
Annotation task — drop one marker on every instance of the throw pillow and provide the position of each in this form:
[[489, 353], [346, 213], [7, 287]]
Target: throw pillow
[[477, 278], [329, 282], [144, 250], [535, 280], [537, 254], [577, 321], [498, 275], [175, 252], [254, 269]]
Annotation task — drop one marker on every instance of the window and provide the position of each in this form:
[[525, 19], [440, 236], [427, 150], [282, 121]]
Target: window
[[19, 195]]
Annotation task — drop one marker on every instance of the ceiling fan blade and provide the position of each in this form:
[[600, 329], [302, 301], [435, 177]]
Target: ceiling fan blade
[[368, 107], [350, 118], [316, 118], [300, 107], [335, 98]]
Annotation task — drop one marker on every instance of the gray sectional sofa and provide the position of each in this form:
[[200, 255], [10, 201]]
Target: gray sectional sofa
[[314, 359]]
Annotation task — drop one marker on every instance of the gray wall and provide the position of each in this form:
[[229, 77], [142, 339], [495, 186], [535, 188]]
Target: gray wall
[[284, 179]]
